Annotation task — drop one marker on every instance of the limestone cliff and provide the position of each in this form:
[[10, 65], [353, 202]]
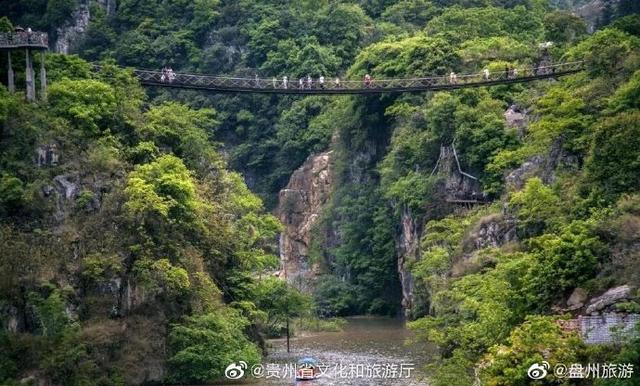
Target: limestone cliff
[[73, 30], [408, 250], [300, 204]]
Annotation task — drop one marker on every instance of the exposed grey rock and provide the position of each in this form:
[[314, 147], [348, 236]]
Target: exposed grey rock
[[47, 155], [458, 185], [73, 31], [577, 299], [593, 10], [9, 318], [542, 166], [530, 168], [612, 296], [69, 189], [516, 119], [35, 379], [491, 231], [47, 190]]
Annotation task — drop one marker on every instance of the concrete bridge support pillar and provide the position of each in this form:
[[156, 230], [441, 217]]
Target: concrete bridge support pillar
[[31, 86], [11, 85], [43, 78]]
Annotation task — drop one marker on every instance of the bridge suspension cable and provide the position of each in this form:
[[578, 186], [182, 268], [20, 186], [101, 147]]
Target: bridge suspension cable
[[375, 86]]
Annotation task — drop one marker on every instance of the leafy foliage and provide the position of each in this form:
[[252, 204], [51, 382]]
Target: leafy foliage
[[204, 345]]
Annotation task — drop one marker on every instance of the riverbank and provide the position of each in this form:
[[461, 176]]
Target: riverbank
[[368, 351]]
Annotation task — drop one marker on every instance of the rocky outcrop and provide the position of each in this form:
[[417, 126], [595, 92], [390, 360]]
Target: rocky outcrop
[[594, 12], [408, 250], [491, 231], [542, 166], [109, 6], [516, 119], [457, 184], [73, 31], [300, 204], [47, 155], [609, 298]]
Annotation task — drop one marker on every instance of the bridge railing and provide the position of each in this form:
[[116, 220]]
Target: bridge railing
[[19, 39], [238, 83]]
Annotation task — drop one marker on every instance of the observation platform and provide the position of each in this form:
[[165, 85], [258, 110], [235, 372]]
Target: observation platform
[[24, 39]]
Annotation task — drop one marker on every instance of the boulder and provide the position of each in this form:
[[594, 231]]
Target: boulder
[[577, 299], [612, 296]]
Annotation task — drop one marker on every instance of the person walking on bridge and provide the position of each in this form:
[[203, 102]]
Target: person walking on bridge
[[337, 82], [485, 74], [321, 81], [309, 82], [284, 82], [367, 81], [163, 77], [275, 82], [453, 78], [301, 83]]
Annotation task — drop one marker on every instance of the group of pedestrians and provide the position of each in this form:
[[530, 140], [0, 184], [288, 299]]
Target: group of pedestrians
[[509, 73], [167, 75], [309, 83]]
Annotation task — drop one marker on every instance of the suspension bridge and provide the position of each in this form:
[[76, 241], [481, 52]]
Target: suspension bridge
[[374, 86], [32, 40]]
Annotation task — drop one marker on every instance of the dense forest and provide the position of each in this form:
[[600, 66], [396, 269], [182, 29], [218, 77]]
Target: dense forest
[[141, 247]]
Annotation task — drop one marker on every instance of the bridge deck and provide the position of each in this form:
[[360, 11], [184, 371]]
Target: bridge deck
[[262, 85]]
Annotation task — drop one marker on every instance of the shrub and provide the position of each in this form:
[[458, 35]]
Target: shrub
[[204, 345], [539, 338]]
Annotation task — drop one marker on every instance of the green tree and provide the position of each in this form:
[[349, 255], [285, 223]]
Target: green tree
[[613, 166], [162, 190], [88, 104], [607, 52], [537, 206], [563, 27], [281, 302], [204, 345], [538, 339]]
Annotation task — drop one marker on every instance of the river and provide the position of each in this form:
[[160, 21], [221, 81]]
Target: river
[[369, 351]]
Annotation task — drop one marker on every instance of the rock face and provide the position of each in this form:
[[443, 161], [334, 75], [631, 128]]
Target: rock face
[[455, 186], [47, 155], [542, 166], [408, 250], [300, 204], [458, 185], [593, 11], [517, 119], [492, 231], [73, 31]]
